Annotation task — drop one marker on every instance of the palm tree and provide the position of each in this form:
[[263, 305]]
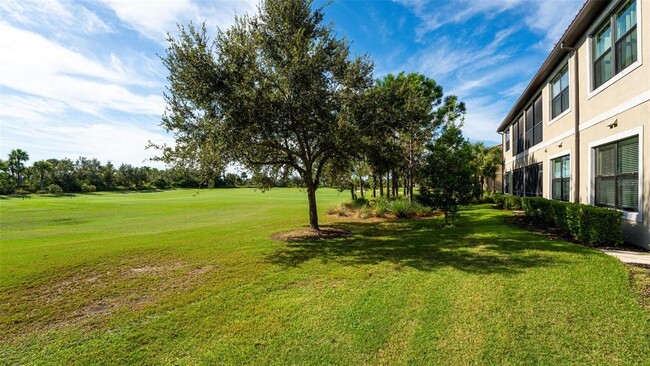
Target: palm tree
[[16, 159]]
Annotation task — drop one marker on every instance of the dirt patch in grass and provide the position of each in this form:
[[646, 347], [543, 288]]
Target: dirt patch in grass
[[640, 278], [306, 234], [90, 295]]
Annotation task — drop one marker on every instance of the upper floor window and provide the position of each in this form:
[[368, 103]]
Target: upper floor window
[[560, 92], [507, 138], [618, 29], [534, 123], [518, 144]]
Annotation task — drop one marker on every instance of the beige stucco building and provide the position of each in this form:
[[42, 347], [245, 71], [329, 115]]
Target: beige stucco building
[[580, 131]]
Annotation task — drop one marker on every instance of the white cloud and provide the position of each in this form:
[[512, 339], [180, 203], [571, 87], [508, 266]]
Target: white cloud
[[547, 17], [154, 19], [549, 21], [54, 15], [34, 65]]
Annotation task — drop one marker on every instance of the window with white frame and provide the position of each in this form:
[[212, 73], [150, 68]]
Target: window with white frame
[[561, 184], [560, 92], [620, 31], [617, 174], [507, 138]]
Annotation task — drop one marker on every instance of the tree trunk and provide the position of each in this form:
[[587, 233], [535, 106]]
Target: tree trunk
[[361, 186], [404, 188], [395, 184], [352, 194], [410, 183], [313, 210], [381, 186], [388, 185], [374, 186]]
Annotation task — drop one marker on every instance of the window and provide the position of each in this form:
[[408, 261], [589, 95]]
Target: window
[[619, 29], [518, 182], [561, 184], [519, 135], [533, 183], [617, 174], [560, 92], [506, 183], [507, 138], [534, 123]]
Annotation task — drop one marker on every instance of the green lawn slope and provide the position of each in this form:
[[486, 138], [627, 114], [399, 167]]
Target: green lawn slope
[[180, 277]]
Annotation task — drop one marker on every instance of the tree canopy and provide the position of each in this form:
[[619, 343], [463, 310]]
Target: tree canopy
[[272, 92]]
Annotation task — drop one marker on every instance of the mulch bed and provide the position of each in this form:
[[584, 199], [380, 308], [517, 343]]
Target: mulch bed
[[306, 234]]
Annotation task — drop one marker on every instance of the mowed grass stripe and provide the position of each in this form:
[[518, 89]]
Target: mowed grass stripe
[[202, 283]]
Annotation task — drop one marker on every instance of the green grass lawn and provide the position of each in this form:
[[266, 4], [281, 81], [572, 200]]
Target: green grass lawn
[[179, 278]]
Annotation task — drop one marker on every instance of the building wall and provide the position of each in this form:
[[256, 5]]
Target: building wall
[[623, 102]]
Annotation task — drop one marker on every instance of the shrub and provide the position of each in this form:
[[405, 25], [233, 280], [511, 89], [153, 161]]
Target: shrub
[[423, 211], [589, 224], [512, 203], [499, 200], [54, 189], [381, 207], [340, 210], [537, 207], [558, 212], [365, 212], [402, 208], [599, 225], [88, 188], [360, 202]]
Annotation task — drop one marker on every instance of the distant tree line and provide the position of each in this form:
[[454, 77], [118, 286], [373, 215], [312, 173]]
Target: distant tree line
[[57, 176]]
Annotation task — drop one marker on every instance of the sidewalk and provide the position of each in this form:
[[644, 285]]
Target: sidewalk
[[629, 257]]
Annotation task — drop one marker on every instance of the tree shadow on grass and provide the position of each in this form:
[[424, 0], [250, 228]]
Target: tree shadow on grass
[[481, 243]]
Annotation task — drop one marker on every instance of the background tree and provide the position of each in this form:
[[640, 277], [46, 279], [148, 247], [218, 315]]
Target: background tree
[[487, 161], [272, 92], [7, 182], [448, 178], [16, 164], [42, 167]]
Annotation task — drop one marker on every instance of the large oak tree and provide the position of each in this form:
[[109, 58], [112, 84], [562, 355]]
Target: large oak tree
[[271, 92]]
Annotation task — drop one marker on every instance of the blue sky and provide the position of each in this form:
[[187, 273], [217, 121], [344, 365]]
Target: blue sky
[[82, 78]]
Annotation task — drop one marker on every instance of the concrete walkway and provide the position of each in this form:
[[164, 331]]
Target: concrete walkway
[[629, 257]]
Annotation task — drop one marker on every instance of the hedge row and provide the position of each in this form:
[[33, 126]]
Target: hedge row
[[589, 224]]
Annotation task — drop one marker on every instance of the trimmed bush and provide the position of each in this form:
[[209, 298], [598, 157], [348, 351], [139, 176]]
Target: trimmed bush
[[589, 224], [499, 200], [512, 203], [558, 212]]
